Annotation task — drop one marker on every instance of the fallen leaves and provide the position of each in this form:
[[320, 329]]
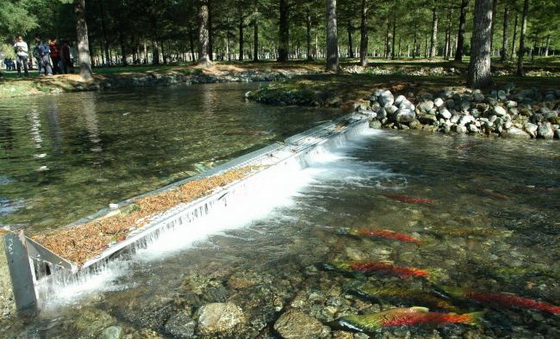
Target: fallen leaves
[[86, 241]]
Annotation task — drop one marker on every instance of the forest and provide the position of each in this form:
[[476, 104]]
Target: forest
[[125, 32]]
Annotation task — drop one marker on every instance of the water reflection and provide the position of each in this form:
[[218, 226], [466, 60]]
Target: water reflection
[[70, 155]]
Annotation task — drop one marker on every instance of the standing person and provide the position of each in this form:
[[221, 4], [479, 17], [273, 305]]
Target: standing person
[[41, 52], [66, 57], [21, 49], [54, 49]]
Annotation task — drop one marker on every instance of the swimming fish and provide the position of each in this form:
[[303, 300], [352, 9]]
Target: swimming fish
[[377, 233], [406, 317], [469, 232], [502, 299], [372, 266], [407, 198], [408, 296]]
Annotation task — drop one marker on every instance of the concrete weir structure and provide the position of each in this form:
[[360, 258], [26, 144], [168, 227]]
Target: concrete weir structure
[[37, 271]]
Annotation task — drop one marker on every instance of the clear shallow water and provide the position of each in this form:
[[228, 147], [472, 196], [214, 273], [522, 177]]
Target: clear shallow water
[[65, 157], [271, 264]]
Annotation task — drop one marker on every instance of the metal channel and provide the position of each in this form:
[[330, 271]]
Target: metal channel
[[31, 263]]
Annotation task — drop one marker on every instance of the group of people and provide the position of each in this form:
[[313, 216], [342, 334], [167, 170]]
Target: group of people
[[44, 53]]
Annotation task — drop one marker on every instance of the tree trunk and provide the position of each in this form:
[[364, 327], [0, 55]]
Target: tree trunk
[[332, 37], [505, 37], [364, 35], [393, 41], [256, 38], [514, 39], [479, 67], [308, 34], [84, 57], [461, 31], [241, 41], [493, 29], [284, 34], [155, 52], [203, 35], [350, 46], [433, 42], [520, 70]]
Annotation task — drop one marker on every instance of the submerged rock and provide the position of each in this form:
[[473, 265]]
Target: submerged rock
[[220, 318], [297, 324]]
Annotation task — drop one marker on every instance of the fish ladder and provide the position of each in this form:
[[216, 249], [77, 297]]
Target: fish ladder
[[36, 272]]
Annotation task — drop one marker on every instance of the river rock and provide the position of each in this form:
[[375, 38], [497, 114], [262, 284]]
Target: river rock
[[461, 129], [425, 107], [113, 332], [375, 106], [399, 100], [180, 325], [500, 111], [516, 133], [545, 131], [531, 129], [404, 116], [386, 99], [221, 318], [444, 113], [438, 102], [297, 324]]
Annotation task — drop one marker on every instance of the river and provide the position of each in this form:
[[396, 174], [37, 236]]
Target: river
[[484, 213]]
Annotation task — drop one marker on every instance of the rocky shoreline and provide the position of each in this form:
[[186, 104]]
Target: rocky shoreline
[[507, 112]]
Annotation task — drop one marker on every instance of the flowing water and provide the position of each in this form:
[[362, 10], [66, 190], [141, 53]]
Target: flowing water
[[65, 157], [486, 212]]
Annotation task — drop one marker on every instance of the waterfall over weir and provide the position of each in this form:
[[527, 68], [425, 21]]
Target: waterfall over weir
[[40, 277]]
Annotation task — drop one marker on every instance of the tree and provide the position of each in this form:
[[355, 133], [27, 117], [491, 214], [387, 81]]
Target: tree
[[203, 34], [84, 57], [364, 35], [16, 19], [435, 20], [504, 55], [479, 67], [461, 30], [520, 70], [284, 32], [332, 37]]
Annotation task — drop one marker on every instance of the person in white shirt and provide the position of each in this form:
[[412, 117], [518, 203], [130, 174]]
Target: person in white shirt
[[21, 49]]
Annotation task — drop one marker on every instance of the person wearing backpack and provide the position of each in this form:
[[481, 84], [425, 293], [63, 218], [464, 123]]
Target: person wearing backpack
[[41, 53]]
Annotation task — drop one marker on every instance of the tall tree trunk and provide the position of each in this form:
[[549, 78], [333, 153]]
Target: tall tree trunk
[[461, 31], [241, 40], [256, 37], [505, 36], [514, 39], [479, 67], [203, 35], [332, 37], [520, 70], [155, 51], [191, 43], [123, 49], [308, 34], [284, 34], [388, 40], [433, 42], [547, 45], [84, 57], [364, 35], [415, 47], [350, 46], [393, 41], [493, 29]]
